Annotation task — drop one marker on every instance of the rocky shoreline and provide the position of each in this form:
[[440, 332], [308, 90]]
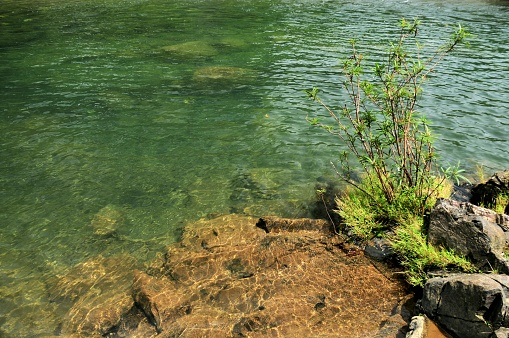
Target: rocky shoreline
[[239, 276]]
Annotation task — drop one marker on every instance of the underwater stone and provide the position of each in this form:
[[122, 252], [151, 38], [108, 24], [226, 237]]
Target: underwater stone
[[223, 74], [107, 220], [192, 49]]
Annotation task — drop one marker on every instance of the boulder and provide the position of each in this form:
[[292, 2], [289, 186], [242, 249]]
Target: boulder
[[468, 305], [486, 194], [477, 233]]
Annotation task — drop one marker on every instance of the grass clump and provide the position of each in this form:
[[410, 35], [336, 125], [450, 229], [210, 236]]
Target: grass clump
[[418, 257], [500, 205], [403, 228]]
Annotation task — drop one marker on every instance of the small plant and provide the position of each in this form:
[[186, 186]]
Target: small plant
[[501, 203], [369, 215], [481, 176]]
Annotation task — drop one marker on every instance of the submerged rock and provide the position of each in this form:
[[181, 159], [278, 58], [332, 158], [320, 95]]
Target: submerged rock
[[222, 75], [107, 220], [191, 49], [95, 294], [232, 42]]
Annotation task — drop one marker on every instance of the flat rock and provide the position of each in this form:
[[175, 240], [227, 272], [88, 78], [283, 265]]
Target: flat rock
[[230, 278]]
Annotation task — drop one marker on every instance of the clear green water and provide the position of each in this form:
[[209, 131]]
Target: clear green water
[[95, 113]]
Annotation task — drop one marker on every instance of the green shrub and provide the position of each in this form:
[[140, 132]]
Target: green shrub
[[385, 135], [391, 143]]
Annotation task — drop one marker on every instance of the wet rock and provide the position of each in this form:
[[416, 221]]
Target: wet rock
[[397, 324], [277, 224], [191, 49], [159, 300], [379, 249], [477, 233], [107, 220], [486, 194], [468, 306]]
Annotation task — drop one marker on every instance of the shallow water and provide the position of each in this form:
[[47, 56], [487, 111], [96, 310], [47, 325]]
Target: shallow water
[[98, 115]]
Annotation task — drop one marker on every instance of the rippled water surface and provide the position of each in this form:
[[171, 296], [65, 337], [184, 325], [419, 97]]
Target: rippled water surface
[[116, 130]]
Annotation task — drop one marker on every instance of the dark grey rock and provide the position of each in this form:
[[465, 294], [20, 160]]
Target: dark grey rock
[[477, 233], [379, 249], [468, 305]]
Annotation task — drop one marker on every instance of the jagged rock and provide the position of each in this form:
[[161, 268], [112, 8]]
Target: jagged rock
[[468, 305], [485, 194], [477, 233], [107, 220], [229, 278]]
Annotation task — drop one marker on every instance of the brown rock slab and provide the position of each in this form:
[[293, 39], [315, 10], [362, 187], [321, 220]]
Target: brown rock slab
[[228, 277]]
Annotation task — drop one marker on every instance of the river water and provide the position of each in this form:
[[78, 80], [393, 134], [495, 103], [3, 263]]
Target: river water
[[116, 130]]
